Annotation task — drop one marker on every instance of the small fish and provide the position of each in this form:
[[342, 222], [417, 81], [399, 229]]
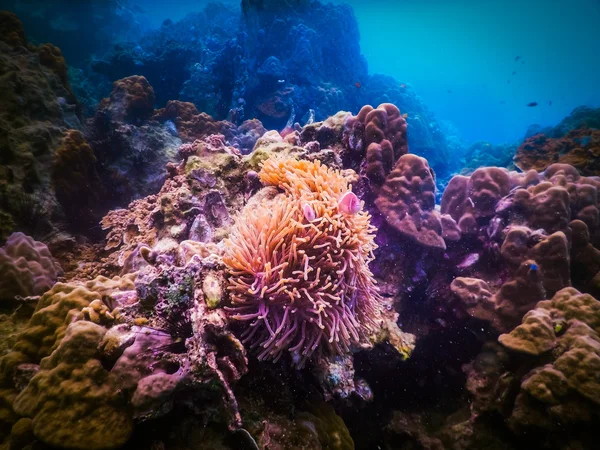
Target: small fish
[[507, 81], [550, 103], [533, 267], [449, 91], [468, 261], [502, 102], [358, 85], [531, 104], [522, 62], [309, 212], [349, 203], [281, 81], [514, 72], [517, 58], [440, 321], [403, 86], [405, 115]]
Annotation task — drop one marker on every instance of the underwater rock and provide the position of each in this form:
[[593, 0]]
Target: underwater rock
[[192, 125], [76, 182], [38, 107], [131, 101]]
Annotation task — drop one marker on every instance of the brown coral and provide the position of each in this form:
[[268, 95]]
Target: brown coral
[[377, 134], [190, 123], [407, 201], [131, 100], [567, 388], [579, 148], [73, 400], [467, 199], [76, 183]]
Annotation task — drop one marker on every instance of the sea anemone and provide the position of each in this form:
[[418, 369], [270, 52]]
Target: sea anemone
[[298, 265]]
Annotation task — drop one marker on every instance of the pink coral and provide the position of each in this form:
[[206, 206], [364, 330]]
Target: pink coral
[[407, 201], [26, 267]]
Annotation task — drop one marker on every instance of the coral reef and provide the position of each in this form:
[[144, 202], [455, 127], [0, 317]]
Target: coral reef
[[574, 141], [232, 262], [579, 147]]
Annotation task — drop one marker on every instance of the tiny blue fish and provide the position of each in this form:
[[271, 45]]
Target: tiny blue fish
[[533, 267]]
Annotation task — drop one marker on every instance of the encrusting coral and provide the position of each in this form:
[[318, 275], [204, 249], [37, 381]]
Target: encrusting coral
[[299, 276]]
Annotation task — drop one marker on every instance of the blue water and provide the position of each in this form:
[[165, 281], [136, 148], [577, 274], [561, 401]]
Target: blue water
[[469, 47], [459, 55]]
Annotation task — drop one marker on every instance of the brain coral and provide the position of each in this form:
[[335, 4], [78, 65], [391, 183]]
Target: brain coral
[[298, 264], [26, 267]]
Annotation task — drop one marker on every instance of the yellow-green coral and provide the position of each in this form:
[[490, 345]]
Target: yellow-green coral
[[57, 307], [73, 400]]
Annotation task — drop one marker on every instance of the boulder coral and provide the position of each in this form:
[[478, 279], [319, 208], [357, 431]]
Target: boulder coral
[[73, 400], [564, 385], [40, 338], [380, 134], [539, 229], [298, 264], [55, 309], [407, 201], [26, 268]]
